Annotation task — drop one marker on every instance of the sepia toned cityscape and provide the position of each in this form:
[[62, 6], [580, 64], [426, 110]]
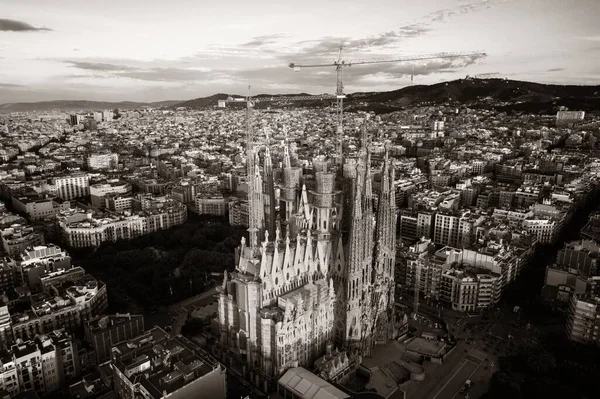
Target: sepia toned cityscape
[[299, 201]]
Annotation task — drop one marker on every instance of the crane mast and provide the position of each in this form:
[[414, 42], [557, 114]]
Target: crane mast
[[340, 64]]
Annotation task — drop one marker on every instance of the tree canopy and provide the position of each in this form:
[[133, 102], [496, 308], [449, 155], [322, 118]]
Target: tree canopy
[[162, 267]]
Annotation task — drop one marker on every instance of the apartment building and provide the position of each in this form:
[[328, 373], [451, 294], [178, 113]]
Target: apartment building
[[104, 332], [40, 208], [407, 221], [18, 238], [156, 365], [211, 204], [98, 192], [238, 213], [6, 334], [38, 260], [446, 229], [583, 319], [58, 307], [118, 204], [108, 161], [91, 232], [72, 186], [40, 365], [468, 290]]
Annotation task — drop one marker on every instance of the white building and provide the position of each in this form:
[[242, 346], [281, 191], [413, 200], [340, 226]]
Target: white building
[[103, 161], [98, 192], [88, 231], [73, 186], [18, 238], [40, 208], [583, 319], [210, 205]]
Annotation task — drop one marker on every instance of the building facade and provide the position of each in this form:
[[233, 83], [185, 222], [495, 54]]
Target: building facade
[[102, 161], [583, 319], [207, 204], [72, 186]]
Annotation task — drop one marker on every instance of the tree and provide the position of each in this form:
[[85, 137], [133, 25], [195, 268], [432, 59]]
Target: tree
[[540, 361], [504, 385]]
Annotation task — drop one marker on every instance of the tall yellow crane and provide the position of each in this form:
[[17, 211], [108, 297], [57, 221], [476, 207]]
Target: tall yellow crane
[[340, 64]]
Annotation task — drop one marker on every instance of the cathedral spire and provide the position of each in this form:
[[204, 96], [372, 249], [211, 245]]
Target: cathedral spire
[[357, 207], [286, 149], [269, 188], [385, 172], [225, 279], [256, 205], [368, 202], [392, 188]]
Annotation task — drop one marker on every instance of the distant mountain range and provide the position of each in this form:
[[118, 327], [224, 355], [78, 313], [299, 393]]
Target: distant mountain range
[[500, 94], [80, 105]]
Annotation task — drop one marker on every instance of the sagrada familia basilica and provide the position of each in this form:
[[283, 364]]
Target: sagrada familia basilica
[[318, 268]]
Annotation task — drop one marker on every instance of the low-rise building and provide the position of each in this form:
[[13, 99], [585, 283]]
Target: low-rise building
[[61, 305], [98, 192], [106, 161], [583, 319], [211, 204], [104, 332], [300, 383], [156, 365], [18, 238], [87, 231], [35, 261], [238, 213], [40, 207], [72, 186]]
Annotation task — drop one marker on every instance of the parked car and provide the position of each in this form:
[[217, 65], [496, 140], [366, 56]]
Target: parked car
[[468, 384]]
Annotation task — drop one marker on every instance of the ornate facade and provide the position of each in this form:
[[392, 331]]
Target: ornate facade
[[325, 275]]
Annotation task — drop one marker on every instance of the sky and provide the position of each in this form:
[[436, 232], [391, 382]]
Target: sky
[[154, 50]]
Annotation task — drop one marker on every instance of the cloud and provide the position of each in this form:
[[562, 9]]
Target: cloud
[[444, 15], [10, 25], [99, 66], [170, 74], [265, 40], [328, 46], [10, 86], [145, 73], [591, 38]]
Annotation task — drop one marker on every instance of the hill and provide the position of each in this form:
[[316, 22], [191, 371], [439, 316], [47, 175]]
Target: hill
[[211, 101], [79, 105], [510, 96], [501, 94]]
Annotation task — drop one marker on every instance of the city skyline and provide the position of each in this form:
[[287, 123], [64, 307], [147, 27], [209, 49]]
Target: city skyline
[[137, 51]]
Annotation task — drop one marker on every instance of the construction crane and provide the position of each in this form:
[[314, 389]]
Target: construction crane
[[340, 64]]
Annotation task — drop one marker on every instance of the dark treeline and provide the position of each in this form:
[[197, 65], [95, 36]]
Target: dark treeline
[[162, 267], [551, 367]]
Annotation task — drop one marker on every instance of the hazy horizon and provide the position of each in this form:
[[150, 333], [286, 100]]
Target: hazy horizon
[[148, 51]]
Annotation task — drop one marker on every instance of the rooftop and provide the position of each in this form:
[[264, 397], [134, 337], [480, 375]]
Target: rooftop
[[309, 386]]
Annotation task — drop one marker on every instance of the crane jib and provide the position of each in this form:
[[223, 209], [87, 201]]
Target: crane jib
[[339, 64]]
